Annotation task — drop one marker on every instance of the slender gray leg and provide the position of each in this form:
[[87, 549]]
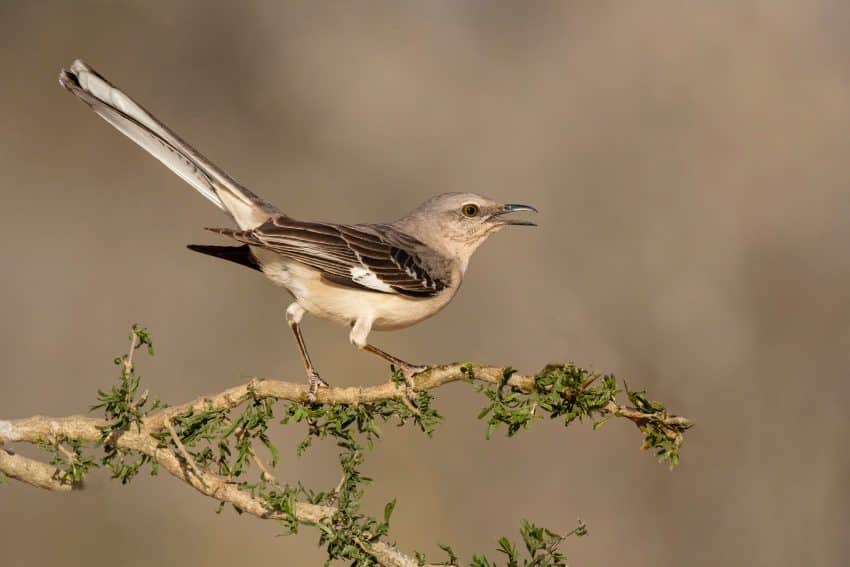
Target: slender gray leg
[[359, 333], [294, 313], [406, 367]]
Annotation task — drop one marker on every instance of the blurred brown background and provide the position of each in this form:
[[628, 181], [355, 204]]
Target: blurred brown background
[[691, 164]]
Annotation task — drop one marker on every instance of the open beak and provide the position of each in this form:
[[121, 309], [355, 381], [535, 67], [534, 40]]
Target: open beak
[[514, 208]]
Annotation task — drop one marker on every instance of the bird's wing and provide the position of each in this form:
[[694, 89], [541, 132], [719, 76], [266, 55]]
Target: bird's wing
[[373, 257]]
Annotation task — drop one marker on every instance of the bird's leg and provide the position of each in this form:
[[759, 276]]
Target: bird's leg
[[408, 369], [359, 332], [294, 313]]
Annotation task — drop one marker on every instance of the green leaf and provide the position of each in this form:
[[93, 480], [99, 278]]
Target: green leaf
[[388, 510], [506, 547], [452, 559]]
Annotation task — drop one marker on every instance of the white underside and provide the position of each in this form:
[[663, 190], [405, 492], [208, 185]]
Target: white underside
[[346, 305]]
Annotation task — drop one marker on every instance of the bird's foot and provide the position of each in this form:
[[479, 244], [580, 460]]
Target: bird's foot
[[413, 369], [315, 381], [409, 371]]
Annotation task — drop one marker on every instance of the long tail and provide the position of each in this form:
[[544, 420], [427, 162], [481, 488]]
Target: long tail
[[247, 209]]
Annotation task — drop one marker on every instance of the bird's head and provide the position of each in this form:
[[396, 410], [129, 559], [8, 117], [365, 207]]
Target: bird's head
[[457, 223]]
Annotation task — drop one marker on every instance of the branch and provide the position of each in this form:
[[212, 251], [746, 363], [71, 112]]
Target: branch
[[30, 471], [160, 437], [39, 430], [430, 379]]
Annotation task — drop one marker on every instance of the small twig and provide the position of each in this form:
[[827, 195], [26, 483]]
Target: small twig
[[183, 452], [140, 401], [128, 360], [405, 399], [264, 472], [69, 456], [339, 485], [590, 380]]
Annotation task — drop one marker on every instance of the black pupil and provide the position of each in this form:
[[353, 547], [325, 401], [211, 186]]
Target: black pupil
[[471, 210]]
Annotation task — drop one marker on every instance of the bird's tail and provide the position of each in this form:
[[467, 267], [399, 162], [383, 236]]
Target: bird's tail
[[139, 125]]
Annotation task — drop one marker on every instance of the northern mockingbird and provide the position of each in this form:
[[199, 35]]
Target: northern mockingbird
[[365, 276]]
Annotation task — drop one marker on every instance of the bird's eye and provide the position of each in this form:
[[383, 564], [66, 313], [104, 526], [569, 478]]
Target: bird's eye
[[470, 210]]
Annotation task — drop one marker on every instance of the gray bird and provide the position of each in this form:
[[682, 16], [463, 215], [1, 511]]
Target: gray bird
[[366, 276]]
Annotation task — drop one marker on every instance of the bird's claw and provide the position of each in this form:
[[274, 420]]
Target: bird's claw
[[315, 382], [409, 371], [414, 369]]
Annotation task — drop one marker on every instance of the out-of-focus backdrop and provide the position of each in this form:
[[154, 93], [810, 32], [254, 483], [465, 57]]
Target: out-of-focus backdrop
[[690, 161]]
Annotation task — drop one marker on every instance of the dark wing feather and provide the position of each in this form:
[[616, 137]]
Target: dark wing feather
[[239, 254], [374, 257]]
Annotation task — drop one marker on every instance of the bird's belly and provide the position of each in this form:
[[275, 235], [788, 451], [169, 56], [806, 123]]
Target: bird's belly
[[345, 305], [404, 311], [387, 311]]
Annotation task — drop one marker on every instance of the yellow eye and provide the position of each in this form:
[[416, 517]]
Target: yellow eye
[[470, 210]]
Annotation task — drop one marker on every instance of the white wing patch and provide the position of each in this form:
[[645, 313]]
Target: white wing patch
[[407, 270], [367, 278]]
